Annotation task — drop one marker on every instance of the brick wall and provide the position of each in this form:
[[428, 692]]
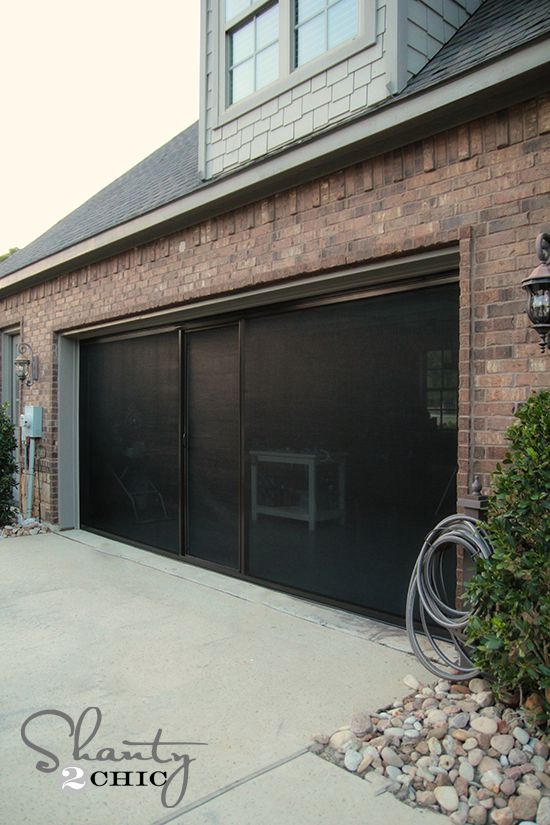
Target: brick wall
[[484, 185]]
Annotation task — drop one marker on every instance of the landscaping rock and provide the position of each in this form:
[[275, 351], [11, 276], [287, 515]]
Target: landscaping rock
[[475, 756], [451, 750], [523, 807], [492, 780], [484, 724], [508, 787], [521, 735], [517, 757], [343, 739], [31, 528], [478, 685], [426, 798], [459, 721], [436, 717], [543, 811], [466, 771], [390, 757], [504, 816], [503, 743], [361, 724], [447, 798], [352, 760], [477, 815]]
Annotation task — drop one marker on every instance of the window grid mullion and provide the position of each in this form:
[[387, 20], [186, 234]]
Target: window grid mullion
[[307, 19]]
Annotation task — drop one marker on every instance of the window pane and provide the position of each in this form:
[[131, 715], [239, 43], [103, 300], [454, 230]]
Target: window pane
[[433, 359], [307, 8], [267, 66], [450, 378], [234, 7], [449, 399], [433, 379], [267, 28], [242, 80], [342, 22], [310, 40], [242, 43]]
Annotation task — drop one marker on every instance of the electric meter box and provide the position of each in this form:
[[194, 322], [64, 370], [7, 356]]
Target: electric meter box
[[31, 422]]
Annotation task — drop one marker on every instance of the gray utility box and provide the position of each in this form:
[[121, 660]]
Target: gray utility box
[[31, 422]]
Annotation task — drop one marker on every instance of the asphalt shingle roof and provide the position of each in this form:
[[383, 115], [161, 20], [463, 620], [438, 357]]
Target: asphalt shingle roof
[[164, 176], [497, 27], [169, 173]]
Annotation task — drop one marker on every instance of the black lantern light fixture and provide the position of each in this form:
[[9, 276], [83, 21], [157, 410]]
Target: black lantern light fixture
[[537, 286], [26, 364]]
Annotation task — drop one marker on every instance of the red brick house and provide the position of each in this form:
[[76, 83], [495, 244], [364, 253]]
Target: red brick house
[[284, 344]]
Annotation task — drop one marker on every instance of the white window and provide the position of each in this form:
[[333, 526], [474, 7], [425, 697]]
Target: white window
[[321, 25], [266, 41], [442, 388], [253, 50]]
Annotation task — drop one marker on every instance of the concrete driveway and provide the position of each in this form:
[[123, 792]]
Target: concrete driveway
[[160, 645]]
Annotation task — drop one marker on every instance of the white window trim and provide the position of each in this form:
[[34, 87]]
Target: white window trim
[[249, 14], [288, 76]]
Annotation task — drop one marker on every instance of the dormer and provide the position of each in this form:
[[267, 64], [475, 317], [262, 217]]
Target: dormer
[[275, 72]]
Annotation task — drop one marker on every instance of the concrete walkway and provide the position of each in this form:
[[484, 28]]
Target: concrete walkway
[[156, 644]]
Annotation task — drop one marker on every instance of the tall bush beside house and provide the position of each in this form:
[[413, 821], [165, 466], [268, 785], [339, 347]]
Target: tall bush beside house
[[510, 626], [7, 467]]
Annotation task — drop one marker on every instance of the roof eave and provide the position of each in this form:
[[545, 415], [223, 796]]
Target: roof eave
[[493, 86]]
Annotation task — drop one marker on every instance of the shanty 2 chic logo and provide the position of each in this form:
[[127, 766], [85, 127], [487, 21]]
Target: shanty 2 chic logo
[[171, 768]]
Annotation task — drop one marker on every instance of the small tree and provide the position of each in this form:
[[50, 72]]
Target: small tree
[[510, 626], [10, 252], [8, 467]]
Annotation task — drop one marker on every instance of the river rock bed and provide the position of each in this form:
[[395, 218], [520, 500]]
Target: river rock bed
[[28, 529], [450, 748]]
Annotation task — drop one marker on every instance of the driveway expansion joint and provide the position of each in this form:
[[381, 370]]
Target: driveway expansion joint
[[192, 806]]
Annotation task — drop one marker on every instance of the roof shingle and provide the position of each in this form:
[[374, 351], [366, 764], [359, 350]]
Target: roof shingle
[[497, 27], [169, 173], [164, 176]]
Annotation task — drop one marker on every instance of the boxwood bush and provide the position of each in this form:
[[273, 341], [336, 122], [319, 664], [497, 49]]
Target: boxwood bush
[[7, 467], [510, 594]]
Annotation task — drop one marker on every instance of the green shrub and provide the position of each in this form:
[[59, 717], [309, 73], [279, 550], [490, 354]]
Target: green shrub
[[7, 467], [510, 626]]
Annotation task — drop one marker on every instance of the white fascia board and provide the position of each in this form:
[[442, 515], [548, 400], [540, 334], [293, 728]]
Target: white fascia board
[[326, 152]]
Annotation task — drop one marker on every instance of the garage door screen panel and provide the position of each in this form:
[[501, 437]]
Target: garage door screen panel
[[350, 449], [129, 439], [213, 432]]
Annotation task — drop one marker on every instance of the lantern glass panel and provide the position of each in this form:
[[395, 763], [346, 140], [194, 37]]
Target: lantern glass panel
[[538, 307]]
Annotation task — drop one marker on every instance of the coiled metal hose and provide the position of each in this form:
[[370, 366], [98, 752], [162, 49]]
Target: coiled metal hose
[[427, 591]]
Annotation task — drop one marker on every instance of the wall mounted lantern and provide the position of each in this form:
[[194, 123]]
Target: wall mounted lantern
[[26, 364], [537, 286]]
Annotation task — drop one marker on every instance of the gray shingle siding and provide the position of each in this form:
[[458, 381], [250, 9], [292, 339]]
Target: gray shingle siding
[[333, 93], [430, 24], [497, 27]]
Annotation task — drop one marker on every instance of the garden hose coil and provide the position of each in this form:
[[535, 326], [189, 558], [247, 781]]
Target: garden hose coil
[[428, 595]]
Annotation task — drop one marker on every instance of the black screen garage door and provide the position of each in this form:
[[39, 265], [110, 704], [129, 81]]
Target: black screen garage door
[[312, 448]]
